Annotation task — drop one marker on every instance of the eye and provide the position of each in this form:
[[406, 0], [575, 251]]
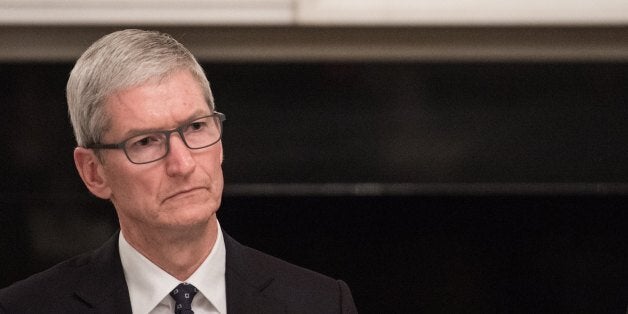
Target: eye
[[196, 126], [146, 141]]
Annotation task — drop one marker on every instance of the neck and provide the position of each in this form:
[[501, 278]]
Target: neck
[[178, 252]]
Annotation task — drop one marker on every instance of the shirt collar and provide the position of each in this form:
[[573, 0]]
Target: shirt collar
[[149, 285], [209, 278]]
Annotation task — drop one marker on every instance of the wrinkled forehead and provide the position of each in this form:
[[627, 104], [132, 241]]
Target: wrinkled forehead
[[157, 104]]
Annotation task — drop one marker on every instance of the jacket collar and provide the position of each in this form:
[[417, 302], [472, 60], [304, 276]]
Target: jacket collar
[[102, 285], [246, 280]]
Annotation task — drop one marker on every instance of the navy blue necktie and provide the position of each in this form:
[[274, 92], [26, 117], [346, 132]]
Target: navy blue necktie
[[183, 295]]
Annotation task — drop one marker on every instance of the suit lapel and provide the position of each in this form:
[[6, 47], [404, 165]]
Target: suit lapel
[[102, 285], [245, 282]]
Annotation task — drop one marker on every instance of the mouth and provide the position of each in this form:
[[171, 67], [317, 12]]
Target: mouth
[[184, 193]]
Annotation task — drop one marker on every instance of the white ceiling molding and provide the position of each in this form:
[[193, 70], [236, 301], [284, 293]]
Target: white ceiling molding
[[462, 12], [314, 12], [146, 12]]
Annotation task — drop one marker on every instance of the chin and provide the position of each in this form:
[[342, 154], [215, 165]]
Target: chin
[[193, 216]]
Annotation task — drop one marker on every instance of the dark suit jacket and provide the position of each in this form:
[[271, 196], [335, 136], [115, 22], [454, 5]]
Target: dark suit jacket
[[255, 283]]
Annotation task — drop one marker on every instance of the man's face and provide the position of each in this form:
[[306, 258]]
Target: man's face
[[179, 191]]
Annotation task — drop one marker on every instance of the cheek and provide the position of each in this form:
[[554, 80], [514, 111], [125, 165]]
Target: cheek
[[216, 163], [131, 187], [213, 170], [211, 160], [211, 163]]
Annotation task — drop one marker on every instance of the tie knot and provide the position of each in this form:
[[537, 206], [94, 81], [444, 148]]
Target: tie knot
[[183, 295]]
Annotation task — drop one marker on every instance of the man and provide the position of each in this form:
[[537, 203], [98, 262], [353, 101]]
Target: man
[[149, 140]]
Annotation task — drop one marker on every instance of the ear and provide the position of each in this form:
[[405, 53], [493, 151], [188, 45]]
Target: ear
[[91, 171]]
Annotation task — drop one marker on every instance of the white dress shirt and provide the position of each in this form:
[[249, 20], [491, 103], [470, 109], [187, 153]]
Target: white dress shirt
[[150, 286]]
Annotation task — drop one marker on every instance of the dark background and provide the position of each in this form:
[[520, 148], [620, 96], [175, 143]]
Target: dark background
[[457, 187]]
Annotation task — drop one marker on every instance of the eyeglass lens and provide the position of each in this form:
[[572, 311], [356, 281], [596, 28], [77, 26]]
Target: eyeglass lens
[[197, 134]]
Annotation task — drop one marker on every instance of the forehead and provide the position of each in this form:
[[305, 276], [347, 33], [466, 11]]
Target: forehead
[[156, 104]]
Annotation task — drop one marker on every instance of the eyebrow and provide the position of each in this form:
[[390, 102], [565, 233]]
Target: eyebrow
[[139, 131]]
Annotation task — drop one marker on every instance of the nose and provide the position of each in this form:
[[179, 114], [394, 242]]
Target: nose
[[179, 161]]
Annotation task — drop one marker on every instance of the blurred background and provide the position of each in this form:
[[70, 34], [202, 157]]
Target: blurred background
[[439, 156]]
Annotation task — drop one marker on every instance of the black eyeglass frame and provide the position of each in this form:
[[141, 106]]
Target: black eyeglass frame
[[179, 130]]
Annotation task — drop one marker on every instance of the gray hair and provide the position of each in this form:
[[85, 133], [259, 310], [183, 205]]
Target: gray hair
[[119, 61]]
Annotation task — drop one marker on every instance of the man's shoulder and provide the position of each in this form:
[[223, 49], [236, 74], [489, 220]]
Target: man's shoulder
[[58, 285], [246, 259], [299, 289], [49, 284]]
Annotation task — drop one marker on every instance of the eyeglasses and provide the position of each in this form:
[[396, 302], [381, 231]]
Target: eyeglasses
[[148, 147]]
